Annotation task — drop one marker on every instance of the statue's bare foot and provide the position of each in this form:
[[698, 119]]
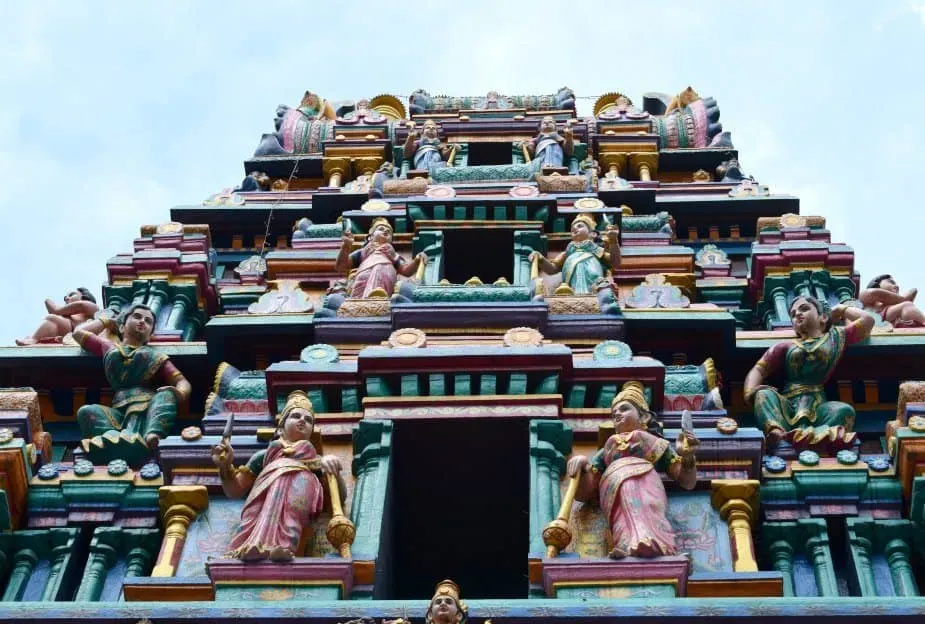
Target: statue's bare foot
[[25, 342], [252, 553], [774, 437], [617, 553], [280, 553]]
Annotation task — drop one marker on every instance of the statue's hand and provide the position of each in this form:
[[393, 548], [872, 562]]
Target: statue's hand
[[838, 313], [421, 257], [686, 444], [567, 132], [347, 238], [910, 296], [223, 454], [176, 392], [612, 233], [576, 466], [152, 440], [534, 255], [330, 464]]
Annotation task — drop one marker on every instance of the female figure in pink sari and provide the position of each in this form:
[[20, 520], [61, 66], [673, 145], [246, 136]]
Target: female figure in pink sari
[[625, 474], [285, 495], [377, 263]]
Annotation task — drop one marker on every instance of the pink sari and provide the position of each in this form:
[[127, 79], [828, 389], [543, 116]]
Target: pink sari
[[633, 497], [284, 499], [376, 270]]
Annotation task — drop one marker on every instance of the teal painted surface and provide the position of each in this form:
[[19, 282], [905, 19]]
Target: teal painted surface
[[550, 444], [277, 593], [648, 592], [700, 531], [372, 448]]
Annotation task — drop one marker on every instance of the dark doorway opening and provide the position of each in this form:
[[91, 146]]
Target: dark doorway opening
[[490, 154], [483, 253], [458, 508]]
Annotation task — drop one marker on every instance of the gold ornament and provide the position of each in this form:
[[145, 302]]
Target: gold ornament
[[6, 435], [408, 338], [296, 399], [634, 392], [523, 337], [376, 205], [727, 426], [917, 424], [191, 434]]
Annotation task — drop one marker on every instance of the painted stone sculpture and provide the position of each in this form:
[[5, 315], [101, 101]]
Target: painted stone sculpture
[[147, 388], [584, 261], [882, 296], [427, 151], [283, 493], [299, 130], [549, 148], [377, 263], [79, 306], [625, 475], [446, 607], [800, 413]]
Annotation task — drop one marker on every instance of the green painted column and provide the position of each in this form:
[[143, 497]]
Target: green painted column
[[23, 563], [897, 555], [550, 442], [782, 561], [59, 555], [372, 448], [157, 296], [817, 548], [779, 296], [102, 556], [137, 562], [177, 318], [861, 550]]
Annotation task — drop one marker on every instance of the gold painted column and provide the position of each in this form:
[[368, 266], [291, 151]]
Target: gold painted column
[[180, 504], [737, 503], [334, 170], [645, 164]]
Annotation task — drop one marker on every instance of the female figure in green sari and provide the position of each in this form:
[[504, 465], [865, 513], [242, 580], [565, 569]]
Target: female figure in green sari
[[147, 391], [583, 262], [800, 412]]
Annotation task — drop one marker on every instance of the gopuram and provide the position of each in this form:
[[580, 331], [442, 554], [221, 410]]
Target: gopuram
[[472, 358]]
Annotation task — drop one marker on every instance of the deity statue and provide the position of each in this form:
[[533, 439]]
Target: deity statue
[[800, 413], [314, 106], [584, 261], [284, 494], [427, 151], [79, 307], [882, 296], [682, 100], [147, 388], [377, 263], [446, 607], [625, 474], [549, 148]]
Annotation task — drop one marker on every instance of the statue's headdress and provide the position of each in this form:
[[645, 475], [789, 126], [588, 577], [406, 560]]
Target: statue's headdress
[[451, 589], [296, 399], [381, 221], [634, 392], [588, 219]]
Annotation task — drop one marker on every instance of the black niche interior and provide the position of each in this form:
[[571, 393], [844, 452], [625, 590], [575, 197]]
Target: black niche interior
[[490, 154], [457, 507], [485, 253]]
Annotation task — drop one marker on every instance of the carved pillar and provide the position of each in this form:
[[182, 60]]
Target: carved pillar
[[817, 548], [102, 557], [180, 504], [550, 441], [372, 449], [862, 550], [779, 296], [157, 296], [782, 561], [137, 562], [177, 318], [335, 170], [23, 563], [58, 558], [737, 503], [897, 555], [645, 164]]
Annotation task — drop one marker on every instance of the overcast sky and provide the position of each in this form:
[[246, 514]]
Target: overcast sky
[[112, 113]]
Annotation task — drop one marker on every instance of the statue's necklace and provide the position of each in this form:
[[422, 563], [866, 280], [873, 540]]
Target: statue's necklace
[[810, 345]]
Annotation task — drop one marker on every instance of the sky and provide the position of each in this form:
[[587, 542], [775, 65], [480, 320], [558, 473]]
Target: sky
[[113, 112]]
